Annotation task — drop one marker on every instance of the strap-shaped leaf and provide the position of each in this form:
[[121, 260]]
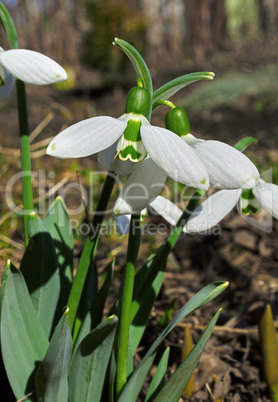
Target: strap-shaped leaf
[[57, 222], [244, 143], [90, 363], [39, 268], [174, 387], [23, 340], [158, 378], [134, 384], [52, 375], [201, 298], [172, 87]]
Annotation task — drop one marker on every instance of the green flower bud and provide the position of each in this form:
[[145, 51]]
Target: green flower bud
[[177, 121], [138, 101]]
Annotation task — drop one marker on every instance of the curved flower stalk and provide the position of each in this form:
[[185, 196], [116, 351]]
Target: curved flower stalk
[[134, 137], [30, 67], [227, 167]]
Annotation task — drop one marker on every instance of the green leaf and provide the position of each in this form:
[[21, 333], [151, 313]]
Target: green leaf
[[89, 366], [57, 222], [94, 316], [9, 27], [201, 298], [134, 384], [139, 65], [244, 143], [23, 341], [52, 375], [138, 324], [158, 378], [169, 89], [39, 268], [174, 387]]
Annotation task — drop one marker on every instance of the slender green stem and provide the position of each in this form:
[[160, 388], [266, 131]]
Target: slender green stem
[[9, 27], [89, 249], [126, 300], [165, 250], [24, 153]]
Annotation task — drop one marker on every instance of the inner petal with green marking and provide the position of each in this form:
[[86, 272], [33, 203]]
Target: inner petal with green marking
[[130, 145], [2, 76], [248, 203]]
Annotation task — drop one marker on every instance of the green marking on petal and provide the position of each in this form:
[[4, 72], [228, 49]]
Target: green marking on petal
[[248, 203], [53, 147], [247, 194], [203, 181], [130, 153], [130, 145]]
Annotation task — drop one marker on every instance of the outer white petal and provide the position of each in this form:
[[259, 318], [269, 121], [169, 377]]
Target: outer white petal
[[167, 209], [227, 167], [141, 188], [267, 195], [212, 211], [122, 223], [174, 156], [86, 137], [106, 159], [32, 67]]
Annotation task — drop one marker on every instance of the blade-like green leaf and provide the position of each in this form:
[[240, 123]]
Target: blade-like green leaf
[[139, 65], [244, 143], [52, 375], [90, 363], [133, 386], [203, 297], [169, 89], [39, 268], [158, 378], [23, 340], [57, 222], [139, 322], [94, 316], [174, 387]]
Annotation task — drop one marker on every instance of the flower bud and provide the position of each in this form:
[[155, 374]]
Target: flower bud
[[177, 121]]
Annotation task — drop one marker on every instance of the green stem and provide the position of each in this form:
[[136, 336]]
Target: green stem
[[24, 153], [86, 257], [126, 300], [165, 250]]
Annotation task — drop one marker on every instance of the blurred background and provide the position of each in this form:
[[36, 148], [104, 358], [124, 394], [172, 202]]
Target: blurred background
[[235, 39]]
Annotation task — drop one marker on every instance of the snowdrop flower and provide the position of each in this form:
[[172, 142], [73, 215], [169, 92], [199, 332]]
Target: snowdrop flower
[[220, 204], [131, 137], [31, 67], [227, 167]]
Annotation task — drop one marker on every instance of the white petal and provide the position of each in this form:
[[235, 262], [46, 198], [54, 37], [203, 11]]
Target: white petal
[[145, 183], [86, 137], [212, 211], [122, 223], [174, 156], [167, 209], [267, 195], [32, 67], [227, 167], [106, 159]]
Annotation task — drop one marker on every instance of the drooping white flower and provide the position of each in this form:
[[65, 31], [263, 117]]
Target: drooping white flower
[[227, 167], [134, 137], [31, 67]]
